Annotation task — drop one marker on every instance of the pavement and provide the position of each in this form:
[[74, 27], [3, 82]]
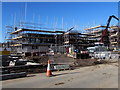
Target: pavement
[[98, 76]]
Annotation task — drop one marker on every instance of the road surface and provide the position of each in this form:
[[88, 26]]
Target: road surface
[[99, 76]]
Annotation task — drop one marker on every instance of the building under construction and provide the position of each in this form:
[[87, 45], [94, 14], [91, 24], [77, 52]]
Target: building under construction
[[77, 40], [113, 39], [29, 41], [97, 31], [34, 42]]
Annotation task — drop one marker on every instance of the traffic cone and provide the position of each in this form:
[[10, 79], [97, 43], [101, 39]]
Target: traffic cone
[[49, 73]]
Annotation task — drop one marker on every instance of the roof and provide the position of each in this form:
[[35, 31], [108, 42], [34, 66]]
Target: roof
[[94, 32], [114, 27], [20, 30], [78, 34], [95, 27]]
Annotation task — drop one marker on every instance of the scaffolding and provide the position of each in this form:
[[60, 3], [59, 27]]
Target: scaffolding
[[29, 34]]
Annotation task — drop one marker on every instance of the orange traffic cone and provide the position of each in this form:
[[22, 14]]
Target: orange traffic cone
[[49, 73]]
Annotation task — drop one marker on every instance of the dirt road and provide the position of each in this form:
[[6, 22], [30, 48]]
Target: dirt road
[[99, 76]]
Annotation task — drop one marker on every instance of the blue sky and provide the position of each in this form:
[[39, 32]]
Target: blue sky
[[52, 14]]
